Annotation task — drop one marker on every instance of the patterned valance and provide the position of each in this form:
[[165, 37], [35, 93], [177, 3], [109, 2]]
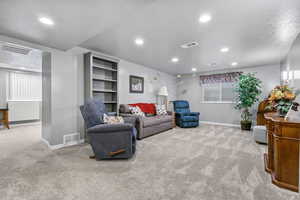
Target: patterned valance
[[219, 78]]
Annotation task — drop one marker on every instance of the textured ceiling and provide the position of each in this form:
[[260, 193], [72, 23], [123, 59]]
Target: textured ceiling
[[257, 32]]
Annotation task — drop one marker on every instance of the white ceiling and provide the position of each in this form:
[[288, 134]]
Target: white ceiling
[[256, 31]]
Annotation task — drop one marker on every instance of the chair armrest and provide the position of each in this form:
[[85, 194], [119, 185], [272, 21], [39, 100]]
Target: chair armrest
[[188, 114], [105, 128], [130, 120], [139, 122], [170, 112], [194, 113]]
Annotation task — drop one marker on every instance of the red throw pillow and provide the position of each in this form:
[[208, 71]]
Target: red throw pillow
[[146, 107], [151, 108]]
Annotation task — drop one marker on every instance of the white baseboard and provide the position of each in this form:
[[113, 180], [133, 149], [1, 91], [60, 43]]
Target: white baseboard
[[59, 146], [219, 124]]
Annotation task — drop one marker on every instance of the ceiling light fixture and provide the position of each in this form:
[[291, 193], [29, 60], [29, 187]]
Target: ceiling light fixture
[[204, 18], [194, 69], [234, 64], [175, 60], [178, 76], [46, 21], [139, 41], [224, 49]]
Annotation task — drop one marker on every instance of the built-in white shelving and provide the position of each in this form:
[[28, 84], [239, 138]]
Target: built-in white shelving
[[101, 80]]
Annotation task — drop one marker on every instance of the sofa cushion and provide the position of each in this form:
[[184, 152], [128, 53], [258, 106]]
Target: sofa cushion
[[189, 118], [156, 120]]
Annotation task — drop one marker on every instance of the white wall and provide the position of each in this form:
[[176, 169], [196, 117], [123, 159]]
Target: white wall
[[153, 81], [189, 88]]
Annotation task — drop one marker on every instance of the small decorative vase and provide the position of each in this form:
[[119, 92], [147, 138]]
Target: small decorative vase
[[281, 113]]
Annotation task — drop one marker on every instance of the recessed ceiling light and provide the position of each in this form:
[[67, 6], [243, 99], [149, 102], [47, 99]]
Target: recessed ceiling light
[[224, 49], [204, 18], [139, 41], [178, 76], [175, 60], [234, 64], [194, 69], [46, 21]]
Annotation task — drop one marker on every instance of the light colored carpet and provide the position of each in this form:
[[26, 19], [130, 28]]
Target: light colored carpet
[[205, 163]]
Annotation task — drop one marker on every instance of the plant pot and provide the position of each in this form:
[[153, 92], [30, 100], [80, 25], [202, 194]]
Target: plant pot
[[246, 125]]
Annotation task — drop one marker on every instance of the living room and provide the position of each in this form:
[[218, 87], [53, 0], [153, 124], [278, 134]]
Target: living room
[[143, 100]]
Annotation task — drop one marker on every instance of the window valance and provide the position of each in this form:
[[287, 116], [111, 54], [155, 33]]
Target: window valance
[[219, 78]]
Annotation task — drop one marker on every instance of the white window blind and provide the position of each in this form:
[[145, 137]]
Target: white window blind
[[218, 92], [24, 86], [211, 92]]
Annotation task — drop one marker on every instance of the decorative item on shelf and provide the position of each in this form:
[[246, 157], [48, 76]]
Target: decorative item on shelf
[[136, 84], [248, 90], [282, 99], [163, 96]]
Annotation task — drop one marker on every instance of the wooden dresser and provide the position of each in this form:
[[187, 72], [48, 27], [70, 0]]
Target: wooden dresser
[[282, 159]]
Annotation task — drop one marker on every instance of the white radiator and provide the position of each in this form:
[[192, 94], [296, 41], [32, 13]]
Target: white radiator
[[23, 110]]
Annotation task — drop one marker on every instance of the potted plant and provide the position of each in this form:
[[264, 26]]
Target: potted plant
[[248, 90], [282, 99]]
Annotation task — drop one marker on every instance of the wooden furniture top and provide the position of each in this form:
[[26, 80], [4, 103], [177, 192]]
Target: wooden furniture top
[[280, 120], [3, 109], [261, 110]]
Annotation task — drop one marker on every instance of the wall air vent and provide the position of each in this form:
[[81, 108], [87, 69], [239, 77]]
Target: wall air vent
[[14, 48], [189, 45]]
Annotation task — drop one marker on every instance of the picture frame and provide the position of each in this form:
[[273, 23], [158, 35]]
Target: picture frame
[[136, 84]]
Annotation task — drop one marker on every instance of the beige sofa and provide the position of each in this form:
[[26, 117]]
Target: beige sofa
[[147, 126]]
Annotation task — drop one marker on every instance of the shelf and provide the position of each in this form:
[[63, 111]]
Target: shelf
[[104, 68], [108, 91], [109, 102], [103, 79]]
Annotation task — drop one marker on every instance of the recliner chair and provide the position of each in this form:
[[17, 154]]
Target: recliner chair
[[184, 117], [108, 141]]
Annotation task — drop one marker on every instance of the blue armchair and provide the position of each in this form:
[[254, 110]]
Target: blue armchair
[[108, 141], [184, 117]]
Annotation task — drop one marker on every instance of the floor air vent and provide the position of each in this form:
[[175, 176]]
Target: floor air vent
[[71, 139]]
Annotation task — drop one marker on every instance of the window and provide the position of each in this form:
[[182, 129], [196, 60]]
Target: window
[[291, 75], [218, 92], [24, 86]]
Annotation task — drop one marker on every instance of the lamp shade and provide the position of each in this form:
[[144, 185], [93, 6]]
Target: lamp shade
[[163, 91]]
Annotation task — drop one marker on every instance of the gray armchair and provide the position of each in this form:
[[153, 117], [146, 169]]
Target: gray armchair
[[108, 141]]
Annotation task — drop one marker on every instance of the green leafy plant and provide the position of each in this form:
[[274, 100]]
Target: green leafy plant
[[248, 90]]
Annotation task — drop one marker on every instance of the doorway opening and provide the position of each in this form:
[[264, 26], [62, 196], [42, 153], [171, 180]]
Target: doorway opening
[[20, 95]]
